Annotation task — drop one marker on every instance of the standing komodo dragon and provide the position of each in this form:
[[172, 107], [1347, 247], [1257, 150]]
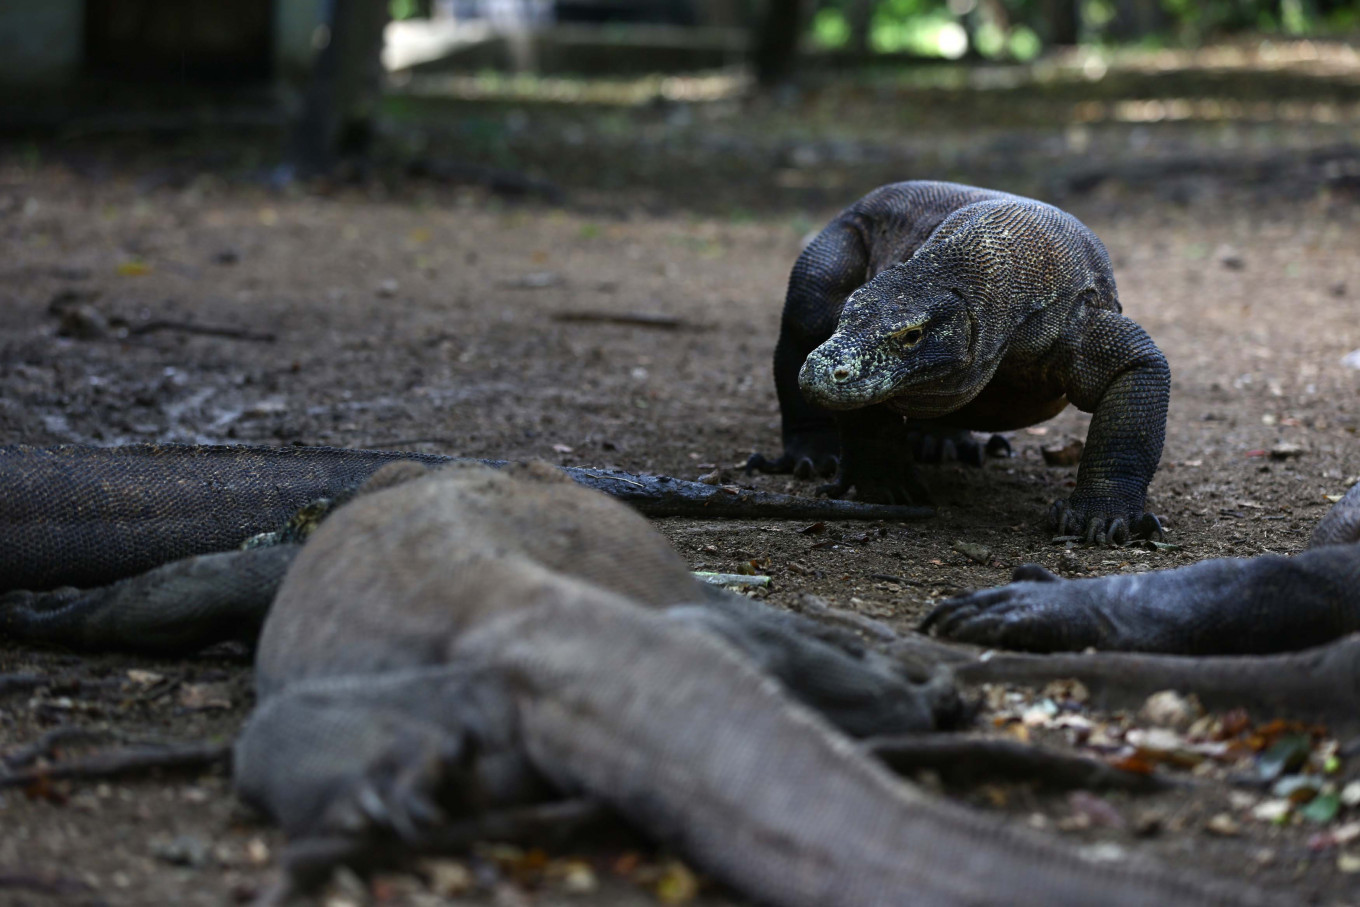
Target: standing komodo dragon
[[961, 308], [469, 641]]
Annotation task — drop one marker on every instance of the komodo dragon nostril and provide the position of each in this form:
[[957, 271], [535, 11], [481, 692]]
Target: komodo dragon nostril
[[840, 374]]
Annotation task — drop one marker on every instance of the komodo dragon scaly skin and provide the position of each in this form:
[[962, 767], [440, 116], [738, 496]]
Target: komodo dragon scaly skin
[[458, 641], [469, 640], [1227, 606], [1307, 606], [84, 516], [964, 308]]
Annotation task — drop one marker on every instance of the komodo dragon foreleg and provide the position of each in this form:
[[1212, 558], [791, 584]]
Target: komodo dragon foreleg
[[1217, 607]]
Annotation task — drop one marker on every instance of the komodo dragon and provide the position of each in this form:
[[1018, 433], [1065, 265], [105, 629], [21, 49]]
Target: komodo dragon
[[469, 641], [92, 515], [962, 308], [1241, 612]]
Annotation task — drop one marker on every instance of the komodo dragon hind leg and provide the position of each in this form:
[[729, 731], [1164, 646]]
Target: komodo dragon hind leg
[[858, 690], [180, 607], [385, 757]]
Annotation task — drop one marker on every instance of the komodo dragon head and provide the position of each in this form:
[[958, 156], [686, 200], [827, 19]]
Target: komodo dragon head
[[927, 334]]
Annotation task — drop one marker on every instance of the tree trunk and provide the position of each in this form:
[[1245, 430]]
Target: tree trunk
[[345, 88], [1062, 22], [774, 47]]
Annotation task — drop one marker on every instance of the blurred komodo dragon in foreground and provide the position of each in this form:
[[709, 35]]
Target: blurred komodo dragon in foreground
[[960, 309], [471, 643]]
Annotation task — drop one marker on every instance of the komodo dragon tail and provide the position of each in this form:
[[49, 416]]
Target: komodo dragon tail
[[84, 516]]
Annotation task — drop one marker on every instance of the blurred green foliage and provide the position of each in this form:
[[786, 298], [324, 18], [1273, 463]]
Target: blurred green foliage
[[1016, 29]]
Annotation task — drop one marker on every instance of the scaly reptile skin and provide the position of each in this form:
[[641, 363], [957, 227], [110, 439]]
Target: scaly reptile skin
[[1228, 606], [457, 643], [964, 308], [471, 641], [85, 516]]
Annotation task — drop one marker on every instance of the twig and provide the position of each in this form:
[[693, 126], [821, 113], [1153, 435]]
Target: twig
[[21, 683], [50, 741], [900, 580], [974, 759], [119, 763], [54, 885], [186, 327], [636, 319]]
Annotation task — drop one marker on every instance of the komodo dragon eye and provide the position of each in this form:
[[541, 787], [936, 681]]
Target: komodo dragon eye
[[910, 337]]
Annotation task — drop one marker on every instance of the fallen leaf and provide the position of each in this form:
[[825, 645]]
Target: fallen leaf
[[133, 268], [1068, 454], [677, 884], [1322, 809], [1287, 752]]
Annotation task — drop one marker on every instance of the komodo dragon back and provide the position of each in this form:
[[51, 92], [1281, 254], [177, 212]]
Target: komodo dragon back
[[414, 582], [442, 644]]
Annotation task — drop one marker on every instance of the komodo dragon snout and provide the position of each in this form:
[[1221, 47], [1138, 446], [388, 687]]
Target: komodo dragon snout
[[897, 334]]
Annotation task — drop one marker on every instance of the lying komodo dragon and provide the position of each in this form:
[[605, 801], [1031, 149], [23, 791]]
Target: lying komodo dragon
[[1237, 611], [962, 308], [468, 641]]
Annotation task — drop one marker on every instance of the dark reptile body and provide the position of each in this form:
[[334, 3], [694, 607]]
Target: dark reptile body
[[1045, 328], [1225, 606], [85, 516]]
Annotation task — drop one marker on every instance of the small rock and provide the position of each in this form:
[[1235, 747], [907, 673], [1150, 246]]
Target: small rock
[[1148, 823], [1231, 259], [144, 678], [1068, 454], [579, 878], [82, 322], [448, 878], [226, 257], [1347, 862], [536, 280], [1169, 709], [1351, 359], [388, 288], [979, 554], [1286, 450], [183, 850], [1224, 825], [204, 696], [1350, 794], [711, 478]]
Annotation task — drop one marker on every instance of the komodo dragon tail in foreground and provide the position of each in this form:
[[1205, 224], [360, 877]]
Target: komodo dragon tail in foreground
[[468, 641], [961, 308], [83, 516]]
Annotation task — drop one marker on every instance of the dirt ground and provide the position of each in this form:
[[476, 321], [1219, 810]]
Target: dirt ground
[[434, 318]]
